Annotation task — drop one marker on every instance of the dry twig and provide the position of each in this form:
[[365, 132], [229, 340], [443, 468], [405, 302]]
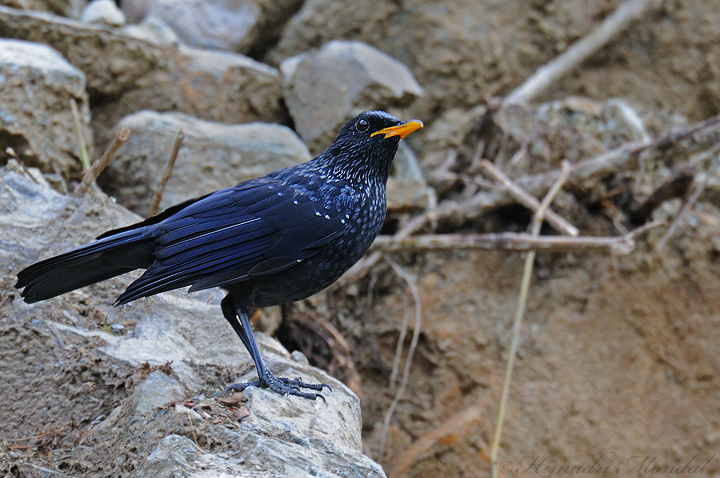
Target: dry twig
[[155, 204], [530, 202], [44, 470], [517, 324], [11, 152], [508, 241], [400, 343], [550, 73], [411, 351], [686, 207], [84, 158], [97, 167], [193, 430]]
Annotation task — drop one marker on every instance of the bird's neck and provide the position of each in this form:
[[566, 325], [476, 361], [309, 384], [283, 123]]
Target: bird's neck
[[355, 170]]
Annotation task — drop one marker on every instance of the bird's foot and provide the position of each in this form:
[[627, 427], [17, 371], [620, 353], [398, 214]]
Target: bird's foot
[[283, 386]]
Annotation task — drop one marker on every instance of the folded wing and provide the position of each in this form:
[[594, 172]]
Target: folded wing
[[258, 227]]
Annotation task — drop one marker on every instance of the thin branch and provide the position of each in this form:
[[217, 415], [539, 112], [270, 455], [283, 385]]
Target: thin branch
[[530, 202], [677, 185], [550, 74], [686, 207], [155, 204], [11, 152], [400, 343], [193, 429], [46, 470], [411, 351], [517, 324], [506, 241], [84, 158], [97, 167]]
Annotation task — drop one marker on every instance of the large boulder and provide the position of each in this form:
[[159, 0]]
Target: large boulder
[[326, 87], [143, 433], [215, 86], [213, 156], [37, 86]]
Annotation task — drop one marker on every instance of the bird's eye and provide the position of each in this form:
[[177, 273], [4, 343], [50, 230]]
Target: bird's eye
[[362, 125]]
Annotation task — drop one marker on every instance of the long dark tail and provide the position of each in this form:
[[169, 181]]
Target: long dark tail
[[101, 260]]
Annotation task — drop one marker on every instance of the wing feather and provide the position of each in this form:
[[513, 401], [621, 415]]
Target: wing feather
[[255, 228]]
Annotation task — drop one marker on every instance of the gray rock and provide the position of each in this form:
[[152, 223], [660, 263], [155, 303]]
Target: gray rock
[[282, 436], [407, 189], [125, 74], [104, 12], [156, 390], [214, 86], [230, 25], [213, 156], [211, 24], [36, 87], [326, 87], [153, 30], [179, 456]]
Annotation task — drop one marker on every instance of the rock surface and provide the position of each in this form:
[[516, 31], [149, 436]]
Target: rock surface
[[153, 30], [210, 24], [325, 88], [36, 88], [104, 12], [407, 189], [213, 156], [66, 8], [283, 436], [239, 25]]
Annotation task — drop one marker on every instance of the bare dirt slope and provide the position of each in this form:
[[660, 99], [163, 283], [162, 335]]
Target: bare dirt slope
[[617, 356]]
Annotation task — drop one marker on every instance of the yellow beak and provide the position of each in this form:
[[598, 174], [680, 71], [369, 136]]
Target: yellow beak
[[401, 130]]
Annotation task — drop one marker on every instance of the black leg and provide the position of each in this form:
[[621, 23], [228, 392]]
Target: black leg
[[228, 309], [266, 379]]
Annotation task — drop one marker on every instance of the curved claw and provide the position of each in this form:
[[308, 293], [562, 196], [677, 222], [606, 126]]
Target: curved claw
[[239, 387], [299, 383], [283, 386]]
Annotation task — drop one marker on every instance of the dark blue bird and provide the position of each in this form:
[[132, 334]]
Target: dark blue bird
[[272, 240]]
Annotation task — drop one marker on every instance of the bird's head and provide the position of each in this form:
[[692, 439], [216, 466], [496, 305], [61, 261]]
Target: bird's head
[[366, 145]]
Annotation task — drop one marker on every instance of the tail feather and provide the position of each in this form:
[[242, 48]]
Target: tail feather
[[86, 265]]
